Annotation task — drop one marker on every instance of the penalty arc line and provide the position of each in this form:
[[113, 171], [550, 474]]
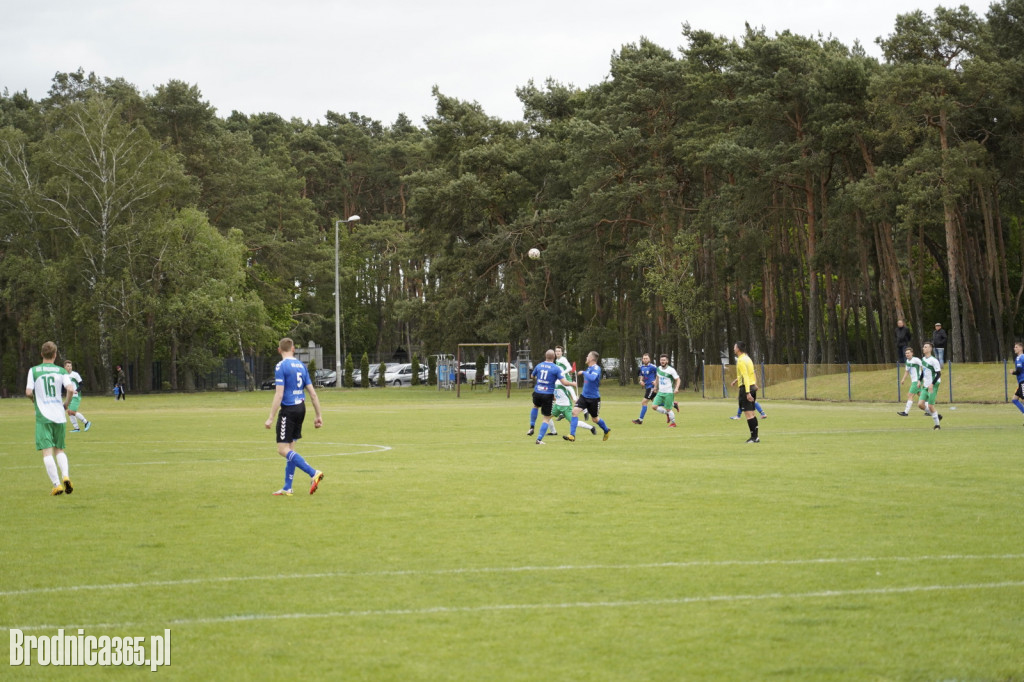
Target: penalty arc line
[[485, 608]]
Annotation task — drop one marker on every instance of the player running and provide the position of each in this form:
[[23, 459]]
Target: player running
[[562, 408], [914, 368], [648, 378], [545, 375], [668, 385], [590, 398], [931, 376], [73, 412], [44, 386], [1018, 371], [570, 374]]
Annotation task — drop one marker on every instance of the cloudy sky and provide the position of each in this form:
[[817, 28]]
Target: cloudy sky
[[302, 58]]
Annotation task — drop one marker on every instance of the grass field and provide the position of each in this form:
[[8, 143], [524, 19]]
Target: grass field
[[851, 544]]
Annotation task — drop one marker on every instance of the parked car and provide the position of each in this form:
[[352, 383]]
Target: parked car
[[513, 373], [267, 384], [467, 370], [375, 370], [325, 377], [402, 375]]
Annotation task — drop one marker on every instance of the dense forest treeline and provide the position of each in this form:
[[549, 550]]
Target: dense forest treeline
[[791, 191]]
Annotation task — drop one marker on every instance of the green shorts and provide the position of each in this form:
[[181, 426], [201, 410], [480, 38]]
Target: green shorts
[[73, 405], [49, 435], [664, 400], [915, 388], [929, 394], [564, 410]]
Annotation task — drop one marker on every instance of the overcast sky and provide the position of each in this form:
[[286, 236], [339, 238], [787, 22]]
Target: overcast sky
[[302, 58]]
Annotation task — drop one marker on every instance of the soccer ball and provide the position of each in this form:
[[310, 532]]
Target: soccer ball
[[534, 253]]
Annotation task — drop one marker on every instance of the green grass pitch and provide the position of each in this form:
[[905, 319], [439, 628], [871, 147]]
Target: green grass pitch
[[850, 544]]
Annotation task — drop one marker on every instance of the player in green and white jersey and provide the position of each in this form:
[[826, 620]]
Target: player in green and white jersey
[[914, 368], [44, 385], [562, 409], [931, 375], [567, 370], [73, 412], [668, 385]]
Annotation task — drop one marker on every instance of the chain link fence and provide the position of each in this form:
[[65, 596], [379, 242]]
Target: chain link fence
[[974, 382]]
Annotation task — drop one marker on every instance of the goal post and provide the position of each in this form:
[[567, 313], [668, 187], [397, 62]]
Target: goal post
[[506, 373]]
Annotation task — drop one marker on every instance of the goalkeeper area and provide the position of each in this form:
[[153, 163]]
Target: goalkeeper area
[[850, 544]]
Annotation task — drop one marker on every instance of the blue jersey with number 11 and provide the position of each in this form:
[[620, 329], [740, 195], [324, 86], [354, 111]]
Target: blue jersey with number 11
[[546, 374]]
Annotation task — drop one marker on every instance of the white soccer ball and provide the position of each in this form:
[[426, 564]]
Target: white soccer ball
[[534, 253]]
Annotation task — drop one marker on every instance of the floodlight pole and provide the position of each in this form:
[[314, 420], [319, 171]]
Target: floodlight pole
[[338, 322]]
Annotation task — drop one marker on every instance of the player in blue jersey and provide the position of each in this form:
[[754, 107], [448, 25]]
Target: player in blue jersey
[[291, 381], [648, 374], [545, 375], [590, 397], [1018, 370]]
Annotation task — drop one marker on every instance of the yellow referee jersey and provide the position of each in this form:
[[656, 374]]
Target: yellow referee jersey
[[745, 372]]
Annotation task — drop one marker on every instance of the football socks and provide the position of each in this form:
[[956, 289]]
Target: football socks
[[296, 459], [51, 471]]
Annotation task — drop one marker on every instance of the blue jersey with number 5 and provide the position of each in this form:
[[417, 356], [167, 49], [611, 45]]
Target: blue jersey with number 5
[[546, 374], [292, 374]]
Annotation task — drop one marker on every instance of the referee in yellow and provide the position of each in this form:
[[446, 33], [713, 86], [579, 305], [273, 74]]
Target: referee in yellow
[[748, 388]]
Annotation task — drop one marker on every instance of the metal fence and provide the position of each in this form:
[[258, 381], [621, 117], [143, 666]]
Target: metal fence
[[983, 382]]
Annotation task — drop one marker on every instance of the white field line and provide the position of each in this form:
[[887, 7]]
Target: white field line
[[509, 569], [377, 449], [485, 608]]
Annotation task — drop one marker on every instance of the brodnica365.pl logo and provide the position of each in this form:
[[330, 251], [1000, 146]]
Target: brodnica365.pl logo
[[82, 649]]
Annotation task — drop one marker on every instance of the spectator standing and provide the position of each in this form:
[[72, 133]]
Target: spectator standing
[[939, 343], [120, 384], [902, 339]]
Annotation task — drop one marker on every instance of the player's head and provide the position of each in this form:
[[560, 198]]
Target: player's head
[[663, 359], [549, 355], [559, 351], [1018, 348], [646, 358], [593, 357], [909, 352], [49, 351], [899, 323], [739, 348], [286, 345], [67, 365], [926, 348]]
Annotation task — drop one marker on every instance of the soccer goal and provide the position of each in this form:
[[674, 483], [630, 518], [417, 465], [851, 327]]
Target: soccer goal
[[499, 368]]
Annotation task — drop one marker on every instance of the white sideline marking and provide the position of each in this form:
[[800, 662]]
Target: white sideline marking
[[379, 449], [823, 594], [507, 569]]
